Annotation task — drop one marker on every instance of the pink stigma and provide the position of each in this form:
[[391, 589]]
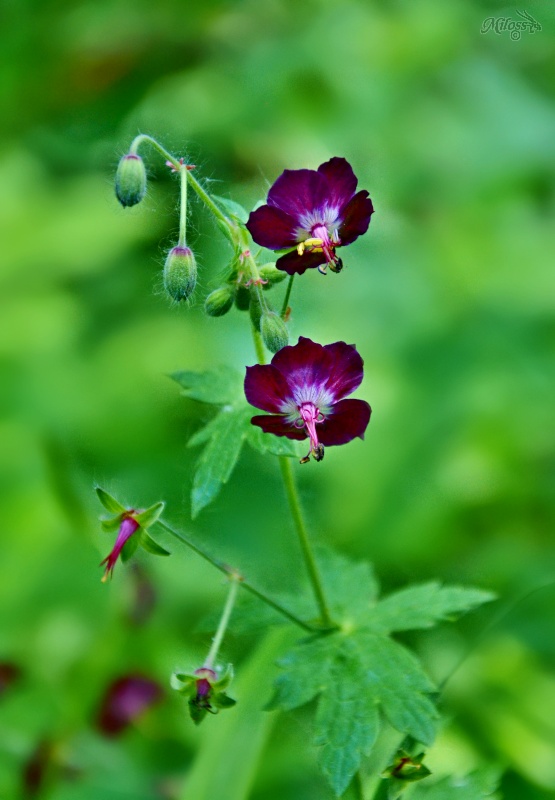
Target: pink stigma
[[311, 416]]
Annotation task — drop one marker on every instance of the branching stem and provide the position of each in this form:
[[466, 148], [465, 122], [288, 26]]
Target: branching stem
[[226, 614], [227, 570]]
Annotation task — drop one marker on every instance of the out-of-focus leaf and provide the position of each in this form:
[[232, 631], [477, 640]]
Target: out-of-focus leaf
[[151, 546], [110, 503], [268, 443], [224, 436], [480, 785], [218, 386], [232, 209]]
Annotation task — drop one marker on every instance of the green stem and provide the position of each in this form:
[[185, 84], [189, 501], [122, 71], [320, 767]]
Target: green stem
[[204, 196], [300, 527], [258, 346], [287, 296], [245, 584], [226, 614], [183, 208]]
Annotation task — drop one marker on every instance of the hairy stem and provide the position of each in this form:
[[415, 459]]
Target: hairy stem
[[300, 527], [227, 570], [183, 208], [226, 614], [204, 196]]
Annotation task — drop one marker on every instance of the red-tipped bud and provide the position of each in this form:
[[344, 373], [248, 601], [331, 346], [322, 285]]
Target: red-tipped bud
[[180, 273], [130, 180]]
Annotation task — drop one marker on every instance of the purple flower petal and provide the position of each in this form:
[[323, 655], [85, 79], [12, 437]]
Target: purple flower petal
[[346, 369], [125, 700], [272, 228], [350, 419], [306, 365], [356, 217], [267, 388], [293, 263], [298, 192], [278, 425], [342, 181]]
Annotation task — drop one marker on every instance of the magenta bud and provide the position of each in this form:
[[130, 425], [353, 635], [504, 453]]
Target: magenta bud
[[130, 180], [180, 273]]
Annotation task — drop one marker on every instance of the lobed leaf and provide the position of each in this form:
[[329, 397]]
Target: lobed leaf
[[268, 443], [224, 437], [347, 722], [423, 606], [219, 386]]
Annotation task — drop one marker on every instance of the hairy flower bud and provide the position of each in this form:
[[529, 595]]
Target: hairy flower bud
[[243, 298], [130, 180], [274, 331], [180, 273], [270, 275], [219, 301]]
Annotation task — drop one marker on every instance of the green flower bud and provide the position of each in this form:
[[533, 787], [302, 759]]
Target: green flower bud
[[130, 180], [255, 310], [243, 298], [271, 275], [274, 332], [219, 301], [180, 273]]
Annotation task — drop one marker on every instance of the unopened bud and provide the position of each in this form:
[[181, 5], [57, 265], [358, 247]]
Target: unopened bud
[[274, 331], [271, 275], [180, 273], [255, 310], [219, 302], [130, 180], [243, 298]]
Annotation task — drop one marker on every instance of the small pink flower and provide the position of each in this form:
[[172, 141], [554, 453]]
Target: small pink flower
[[127, 528]]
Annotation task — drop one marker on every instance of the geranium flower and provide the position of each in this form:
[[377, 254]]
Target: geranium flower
[[314, 210], [205, 691], [304, 389], [127, 528], [125, 700]]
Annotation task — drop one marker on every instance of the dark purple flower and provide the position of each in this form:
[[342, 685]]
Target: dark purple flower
[[127, 528], [315, 211], [304, 389], [125, 700]]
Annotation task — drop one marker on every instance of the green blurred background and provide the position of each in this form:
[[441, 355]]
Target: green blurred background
[[449, 298]]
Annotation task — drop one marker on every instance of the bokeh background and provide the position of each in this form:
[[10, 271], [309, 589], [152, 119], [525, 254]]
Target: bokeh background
[[449, 298]]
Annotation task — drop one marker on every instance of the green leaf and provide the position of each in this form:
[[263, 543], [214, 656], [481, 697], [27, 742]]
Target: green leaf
[[222, 700], [347, 722], [423, 606], [150, 515], [350, 586], [269, 443], [306, 673], [129, 547], [224, 436], [219, 386], [148, 543], [232, 209], [396, 679], [355, 676], [110, 525], [109, 502], [479, 785]]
